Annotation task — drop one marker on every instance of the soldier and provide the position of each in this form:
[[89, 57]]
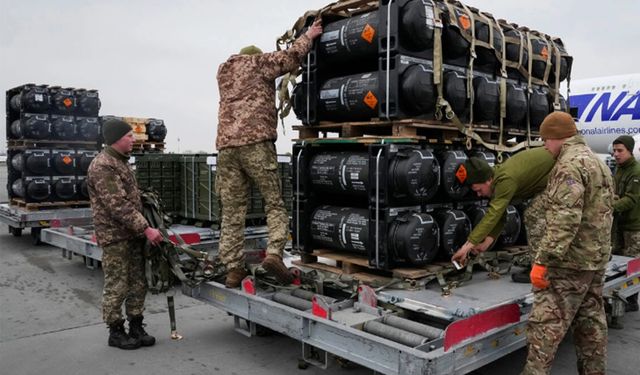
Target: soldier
[[120, 230], [626, 205], [521, 177], [568, 270], [247, 130]]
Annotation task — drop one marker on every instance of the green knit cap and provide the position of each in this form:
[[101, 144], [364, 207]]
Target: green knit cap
[[113, 130], [625, 140], [250, 50], [478, 171]]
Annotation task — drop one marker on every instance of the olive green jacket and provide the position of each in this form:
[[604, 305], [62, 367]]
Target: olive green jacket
[[520, 177], [626, 207]]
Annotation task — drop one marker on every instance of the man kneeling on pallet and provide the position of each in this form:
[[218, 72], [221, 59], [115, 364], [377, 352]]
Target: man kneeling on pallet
[[120, 231]]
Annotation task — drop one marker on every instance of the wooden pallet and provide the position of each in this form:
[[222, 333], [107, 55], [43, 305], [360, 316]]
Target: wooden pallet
[[148, 147], [424, 130], [358, 267], [35, 206], [33, 143]]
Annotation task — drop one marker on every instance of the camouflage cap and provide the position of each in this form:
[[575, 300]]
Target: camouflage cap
[[558, 125], [250, 50], [478, 171]]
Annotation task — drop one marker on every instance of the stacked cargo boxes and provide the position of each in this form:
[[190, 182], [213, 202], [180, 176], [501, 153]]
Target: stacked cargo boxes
[[149, 133], [53, 133], [432, 67], [186, 184], [380, 64]]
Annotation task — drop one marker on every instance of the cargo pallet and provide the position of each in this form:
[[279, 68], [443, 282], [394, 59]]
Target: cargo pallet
[[19, 144], [427, 131], [79, 240], [470, 332], [147, 146], [35, 206], [18, 218]]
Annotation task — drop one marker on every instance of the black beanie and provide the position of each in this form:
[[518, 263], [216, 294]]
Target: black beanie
[[627, 141], [113, 130], [478, 171]]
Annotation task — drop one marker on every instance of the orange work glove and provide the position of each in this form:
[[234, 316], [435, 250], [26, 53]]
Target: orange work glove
[[538, 276]]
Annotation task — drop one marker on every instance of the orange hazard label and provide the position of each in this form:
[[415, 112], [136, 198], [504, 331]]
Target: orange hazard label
[[67, 160], [370, 100], [368, 33], [461, 174], [464, 21], [544, 53], [138, 129], [67, 102]]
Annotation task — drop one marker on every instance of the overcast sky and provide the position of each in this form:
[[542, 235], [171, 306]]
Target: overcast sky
[[159, 58]]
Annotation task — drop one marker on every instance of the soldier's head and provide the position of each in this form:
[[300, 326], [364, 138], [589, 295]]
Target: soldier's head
[[479, 176], [623, 148], [556, 128], [250, 50], [119, 135]]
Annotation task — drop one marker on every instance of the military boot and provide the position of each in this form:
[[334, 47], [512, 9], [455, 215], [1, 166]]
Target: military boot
[[136, 331], [274, 265], [120, 339], [234, 277]]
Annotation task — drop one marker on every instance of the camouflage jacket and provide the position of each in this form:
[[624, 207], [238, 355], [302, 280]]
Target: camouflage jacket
[[579, 210], [247, 112], [115, 199]]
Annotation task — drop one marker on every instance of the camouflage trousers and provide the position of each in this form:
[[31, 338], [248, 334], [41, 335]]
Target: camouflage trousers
[[237, 167], [573, 301], [535, 222], [626, 243], [124, 280]]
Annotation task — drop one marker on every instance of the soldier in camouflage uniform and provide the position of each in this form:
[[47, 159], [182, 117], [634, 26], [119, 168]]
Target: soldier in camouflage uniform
[[247, 130], [523, 176], [626, 206], [120, 230], [568, 270]]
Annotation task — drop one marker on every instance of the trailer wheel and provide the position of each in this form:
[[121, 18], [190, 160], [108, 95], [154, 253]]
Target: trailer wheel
[[35, 236], [16, 232], [302, 364]]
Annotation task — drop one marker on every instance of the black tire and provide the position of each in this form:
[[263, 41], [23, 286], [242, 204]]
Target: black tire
[[35, 236], [16, 232]]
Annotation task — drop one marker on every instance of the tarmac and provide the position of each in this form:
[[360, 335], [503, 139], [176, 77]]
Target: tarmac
[[51, 323]]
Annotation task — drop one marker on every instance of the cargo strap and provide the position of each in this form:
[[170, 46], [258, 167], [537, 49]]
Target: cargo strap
[[443, 108], [163, 262], [521, 42], [449, 282], [472, 58], [534, 35], [342, 8], [497, 263]]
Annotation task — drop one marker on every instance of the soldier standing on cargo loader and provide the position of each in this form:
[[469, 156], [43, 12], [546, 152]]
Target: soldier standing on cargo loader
[[568, 270], [521, 177], [247, 130], [120, 231], [626, 205]]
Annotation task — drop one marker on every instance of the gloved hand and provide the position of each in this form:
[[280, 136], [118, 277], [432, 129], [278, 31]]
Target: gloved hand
[[538, 276]]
